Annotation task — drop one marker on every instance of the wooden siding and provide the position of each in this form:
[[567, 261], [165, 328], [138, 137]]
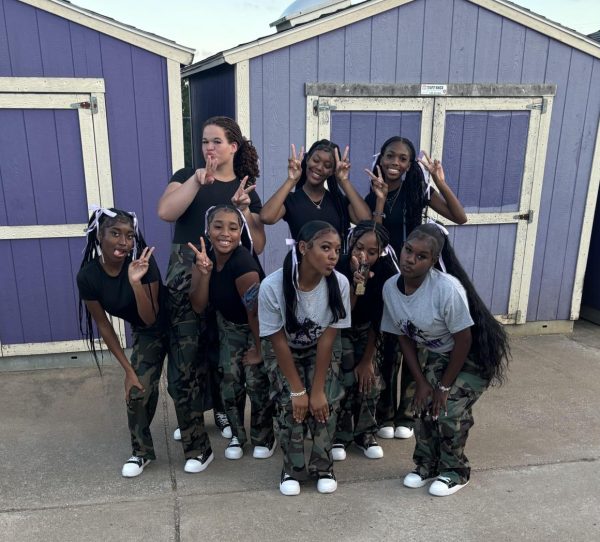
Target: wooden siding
[[446, 41], [211, 93], [35, 43]]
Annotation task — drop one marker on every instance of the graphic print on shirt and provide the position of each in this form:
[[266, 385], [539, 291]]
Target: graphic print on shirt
[[307, 334], [418, 335]]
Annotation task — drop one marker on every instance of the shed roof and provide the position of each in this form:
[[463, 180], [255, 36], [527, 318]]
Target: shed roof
[[369, 8], [124, 32]]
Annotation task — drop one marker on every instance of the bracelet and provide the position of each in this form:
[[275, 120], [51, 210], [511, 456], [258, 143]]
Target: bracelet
[[443, 388], [298, 393], [377, 213]]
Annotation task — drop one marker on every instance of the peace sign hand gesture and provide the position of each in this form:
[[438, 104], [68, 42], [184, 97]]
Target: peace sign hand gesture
[[295, 164], [379, 186], [241, 198], [434, 167], [342, 166], [138, 268], [203, 263], [206, 175]]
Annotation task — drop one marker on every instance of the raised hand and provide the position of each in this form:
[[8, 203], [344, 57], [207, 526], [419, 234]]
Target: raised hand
[[342, 166], [434, 167], [138, 268], [295, 164], [241, 198], [379, 186], [203, 263], [206, 175]]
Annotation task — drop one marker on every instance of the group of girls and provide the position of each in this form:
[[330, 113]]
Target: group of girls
[[317, 345]]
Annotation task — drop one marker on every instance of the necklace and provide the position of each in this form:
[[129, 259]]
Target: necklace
[[393, 200], [317, 205]]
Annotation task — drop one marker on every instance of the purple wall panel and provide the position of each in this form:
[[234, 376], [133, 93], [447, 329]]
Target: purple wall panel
[[23, 39], [5, 69], [10, 316], [58, 271], [357, 58], [87, 57], [35, 318], [505, 253], [331, 58], [55, 40], [411, 24], [411, 128], [511, 52], [471, 165], [487, 49], [465, 245], [16, 174], [484, 264], [515, 160], [559, 57], [384, 47], [436, 45], [534, 57], [256, 124], [462, 50], [362, 136], [453, 144], [494, 162], [562, 198]]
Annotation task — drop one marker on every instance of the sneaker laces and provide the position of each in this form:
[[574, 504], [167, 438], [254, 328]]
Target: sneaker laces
[[135, 459], [445, 480], [221, 419], [234, 442]]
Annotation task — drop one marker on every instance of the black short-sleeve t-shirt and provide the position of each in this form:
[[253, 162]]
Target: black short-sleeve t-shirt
[[299, 209], [115, 293], [190, 225], [223, 294]]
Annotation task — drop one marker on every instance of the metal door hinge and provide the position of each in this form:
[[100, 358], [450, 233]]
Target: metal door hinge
[[514, 317], [525, 216], [322, 106], [541, 106], [92, 105]]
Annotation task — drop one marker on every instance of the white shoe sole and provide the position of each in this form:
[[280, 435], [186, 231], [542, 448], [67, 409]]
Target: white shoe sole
[[289, 488], [338, 454], [193, 465], [403, 432], [234, 453], [373, 452], [177, 434], [326, 486], [262, 452], [415, 481], [135, 470], [386, 432], [442, 490]]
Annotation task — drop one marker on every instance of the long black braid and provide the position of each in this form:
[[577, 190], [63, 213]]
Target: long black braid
[[490, 347], [100, 222], [309, 233]]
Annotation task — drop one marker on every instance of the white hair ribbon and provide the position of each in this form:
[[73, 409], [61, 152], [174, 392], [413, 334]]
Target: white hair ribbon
[[446, 233], [292, 243], [389, 251], [244, 225], [375, 156]]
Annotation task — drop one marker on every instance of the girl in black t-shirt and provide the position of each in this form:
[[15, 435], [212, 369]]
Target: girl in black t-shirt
[[229, 177], [307, 176], [398, 198], [113, 279], [229, 279]]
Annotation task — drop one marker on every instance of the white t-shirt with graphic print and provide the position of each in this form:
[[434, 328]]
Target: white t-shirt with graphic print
[[430, 315], [312, 310]]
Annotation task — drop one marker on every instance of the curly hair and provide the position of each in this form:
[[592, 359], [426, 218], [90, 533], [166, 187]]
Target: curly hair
[[245, 160]]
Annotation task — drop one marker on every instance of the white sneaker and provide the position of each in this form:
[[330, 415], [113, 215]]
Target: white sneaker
[[234, 450], [222, 422], [198, 464], [403, 432], [338, 452], [264, 452], [327, 483], [289, 486], [385, 432], [177, 434], [414, 480], [134, 466], [442, 487]]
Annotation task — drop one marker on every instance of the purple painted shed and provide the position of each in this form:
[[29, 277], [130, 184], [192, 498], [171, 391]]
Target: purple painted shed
[[90, 113], [504, 96]]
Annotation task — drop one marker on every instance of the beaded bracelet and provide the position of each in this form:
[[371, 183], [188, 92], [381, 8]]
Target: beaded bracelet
[[377, 213], [443, 388], [298, 393]]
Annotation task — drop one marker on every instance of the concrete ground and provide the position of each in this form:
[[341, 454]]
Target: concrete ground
[[535, 452]]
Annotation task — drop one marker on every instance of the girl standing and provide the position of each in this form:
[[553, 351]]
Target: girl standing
[[398, 178], [307, 176], [229, 279], [301, 308], [466, 348], [229, 177], [113, 279]]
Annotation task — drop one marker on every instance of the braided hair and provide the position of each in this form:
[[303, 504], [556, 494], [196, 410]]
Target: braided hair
[[414, 200], [309, 233], [339, 201], [490, 347], [245, 160], [100, 220]]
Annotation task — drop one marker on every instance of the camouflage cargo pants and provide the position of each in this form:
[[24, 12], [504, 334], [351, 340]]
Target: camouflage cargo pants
[[150, 347], [440, 444], [291, 433], [238, 379], [357, 410], [188, 371]]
